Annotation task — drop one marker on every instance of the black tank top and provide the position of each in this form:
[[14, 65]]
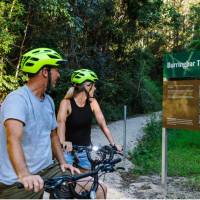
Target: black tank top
[[78, 124]]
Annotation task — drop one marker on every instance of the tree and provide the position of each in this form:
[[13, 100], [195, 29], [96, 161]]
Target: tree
[[123, 41], [10, 26]]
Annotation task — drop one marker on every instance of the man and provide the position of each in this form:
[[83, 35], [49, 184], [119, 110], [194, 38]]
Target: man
[[28, 130]]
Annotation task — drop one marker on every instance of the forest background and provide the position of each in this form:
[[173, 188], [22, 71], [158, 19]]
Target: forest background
[[123, 41]]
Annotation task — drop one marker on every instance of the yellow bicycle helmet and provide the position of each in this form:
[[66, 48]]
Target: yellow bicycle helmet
[[82, 75], [35, 59]]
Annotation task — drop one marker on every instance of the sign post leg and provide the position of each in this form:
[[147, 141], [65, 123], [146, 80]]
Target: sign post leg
[[124, 131], [164, 162]]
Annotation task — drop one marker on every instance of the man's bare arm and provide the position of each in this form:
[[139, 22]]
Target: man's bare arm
[[14, 136]]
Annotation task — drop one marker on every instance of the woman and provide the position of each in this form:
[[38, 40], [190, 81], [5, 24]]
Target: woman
[[75, 117]]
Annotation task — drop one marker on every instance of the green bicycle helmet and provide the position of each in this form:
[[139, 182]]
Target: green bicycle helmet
[[82, 75], [35, 59]]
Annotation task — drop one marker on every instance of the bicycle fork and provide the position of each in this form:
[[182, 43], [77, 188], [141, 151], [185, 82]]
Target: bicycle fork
[[94, 187]]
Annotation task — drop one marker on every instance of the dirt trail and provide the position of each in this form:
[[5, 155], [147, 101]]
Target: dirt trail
[[133, 133]]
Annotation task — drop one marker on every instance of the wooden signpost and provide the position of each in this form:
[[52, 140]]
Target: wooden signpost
[[181, 98]]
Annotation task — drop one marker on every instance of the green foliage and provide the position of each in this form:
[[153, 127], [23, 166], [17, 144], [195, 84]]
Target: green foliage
[[8, 84], [195, 45], [147, 155], [184, 149], [122, 41], [10, 24], [194, 182], [53, 16], [63, 86], [10, 14], [150, 95]]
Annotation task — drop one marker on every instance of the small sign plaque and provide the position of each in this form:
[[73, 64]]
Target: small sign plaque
[[181, 104]]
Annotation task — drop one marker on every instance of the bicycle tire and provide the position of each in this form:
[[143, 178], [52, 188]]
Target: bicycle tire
[[62, 192], [84, 194]]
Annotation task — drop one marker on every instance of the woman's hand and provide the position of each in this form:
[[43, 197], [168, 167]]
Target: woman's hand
[[67, 146], [69, 167], [118, 147]]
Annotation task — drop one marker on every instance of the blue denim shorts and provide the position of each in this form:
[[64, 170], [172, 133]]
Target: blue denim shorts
[[82, 162]]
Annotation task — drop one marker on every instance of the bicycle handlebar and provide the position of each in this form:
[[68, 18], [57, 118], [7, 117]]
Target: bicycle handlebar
[[103, 152], [102, 165], [54, 182], [69, 178]]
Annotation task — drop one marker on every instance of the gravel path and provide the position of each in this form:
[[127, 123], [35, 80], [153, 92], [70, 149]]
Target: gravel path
[[133, 133]]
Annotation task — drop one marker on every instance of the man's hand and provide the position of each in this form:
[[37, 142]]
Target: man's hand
[[69, 167], [32, 182]]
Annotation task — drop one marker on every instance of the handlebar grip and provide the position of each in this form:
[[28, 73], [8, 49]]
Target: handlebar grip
[[19, 185]]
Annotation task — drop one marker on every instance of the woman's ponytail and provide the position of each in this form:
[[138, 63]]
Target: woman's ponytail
[[70, 93]]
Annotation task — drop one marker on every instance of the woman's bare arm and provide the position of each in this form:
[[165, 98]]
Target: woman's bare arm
[[101, 120], [63, 112]]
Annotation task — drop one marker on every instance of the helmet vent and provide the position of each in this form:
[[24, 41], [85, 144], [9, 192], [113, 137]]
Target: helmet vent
[[29, 64], [34, 59], [36, 51], [52, 56], [24, 59]]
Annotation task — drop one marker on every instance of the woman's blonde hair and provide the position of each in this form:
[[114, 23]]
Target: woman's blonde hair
[[70, 93]]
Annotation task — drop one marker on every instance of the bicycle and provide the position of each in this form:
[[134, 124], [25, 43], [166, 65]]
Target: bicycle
[[102, 161]]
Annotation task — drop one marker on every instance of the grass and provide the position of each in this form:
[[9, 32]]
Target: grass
[[183, 152], [146, 157]]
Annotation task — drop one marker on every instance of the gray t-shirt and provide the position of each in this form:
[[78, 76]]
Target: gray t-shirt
[[39, 120]]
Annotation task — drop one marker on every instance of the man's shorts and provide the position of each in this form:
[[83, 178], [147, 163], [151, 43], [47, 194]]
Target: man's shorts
[[13, 192]]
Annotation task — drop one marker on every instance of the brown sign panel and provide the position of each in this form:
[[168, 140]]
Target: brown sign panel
[[181, 104]]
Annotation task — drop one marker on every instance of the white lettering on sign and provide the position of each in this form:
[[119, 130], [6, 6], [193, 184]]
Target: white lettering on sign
[[183, 65]]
